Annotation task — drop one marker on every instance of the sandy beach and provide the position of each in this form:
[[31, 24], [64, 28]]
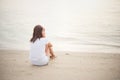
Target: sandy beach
[[15, 65]]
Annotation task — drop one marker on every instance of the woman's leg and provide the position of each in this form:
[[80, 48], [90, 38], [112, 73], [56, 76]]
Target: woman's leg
[[49, 51]]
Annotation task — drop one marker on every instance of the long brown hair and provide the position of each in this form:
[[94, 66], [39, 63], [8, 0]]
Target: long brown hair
[[37, 33]]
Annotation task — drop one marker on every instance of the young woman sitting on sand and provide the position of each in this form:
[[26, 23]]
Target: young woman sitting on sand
[[41, 49]]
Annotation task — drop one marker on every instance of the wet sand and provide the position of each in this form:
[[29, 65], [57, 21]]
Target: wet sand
[[15, 65]]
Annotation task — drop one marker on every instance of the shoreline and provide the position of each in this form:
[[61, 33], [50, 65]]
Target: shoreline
[[15, 65], [75, 52]]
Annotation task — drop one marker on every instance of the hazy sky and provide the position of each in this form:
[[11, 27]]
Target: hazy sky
[[61, 11]]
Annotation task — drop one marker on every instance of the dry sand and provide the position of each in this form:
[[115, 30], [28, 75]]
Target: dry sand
[[15, 65]]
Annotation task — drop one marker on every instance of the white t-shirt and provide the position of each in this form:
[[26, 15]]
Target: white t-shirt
[[37, 52]]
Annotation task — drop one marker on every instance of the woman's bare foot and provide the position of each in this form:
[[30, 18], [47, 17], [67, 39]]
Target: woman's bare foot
[[52, 57]]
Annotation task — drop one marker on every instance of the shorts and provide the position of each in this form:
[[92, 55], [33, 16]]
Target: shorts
[[40, 62]]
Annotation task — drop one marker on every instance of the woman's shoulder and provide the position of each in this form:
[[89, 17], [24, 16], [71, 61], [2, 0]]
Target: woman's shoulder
[[43, 38]]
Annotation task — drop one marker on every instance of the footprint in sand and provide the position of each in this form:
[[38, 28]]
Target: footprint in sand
[[29, 73], [26, 61], [67, 54]]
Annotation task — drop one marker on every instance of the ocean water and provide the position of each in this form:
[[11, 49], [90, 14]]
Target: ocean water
[[71, 25]]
